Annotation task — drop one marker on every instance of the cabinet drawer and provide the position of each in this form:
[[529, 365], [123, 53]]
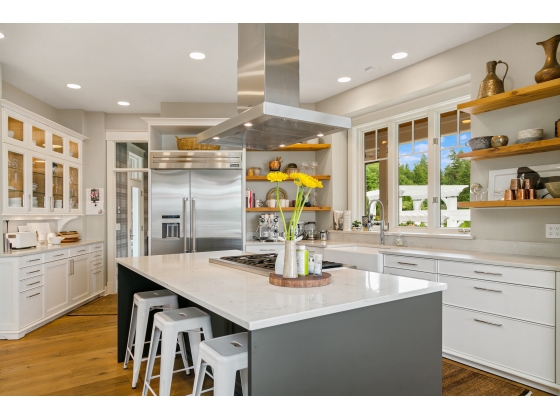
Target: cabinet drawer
[[56, 255], [30, 306], [30, 260], [32, 271], [411, 273], [411, 263], [96, 247], [537, 278], [80, 250], [31, 283], [517, 345], [97, 255], [526, 303], [264, 248], [96, 264]]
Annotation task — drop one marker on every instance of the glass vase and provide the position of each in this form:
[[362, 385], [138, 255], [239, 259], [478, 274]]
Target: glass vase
[[290, 263]]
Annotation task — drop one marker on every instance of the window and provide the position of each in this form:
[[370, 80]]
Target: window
[[376, 171]]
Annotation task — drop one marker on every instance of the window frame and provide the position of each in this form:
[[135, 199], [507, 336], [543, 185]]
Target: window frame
[[356, 176]]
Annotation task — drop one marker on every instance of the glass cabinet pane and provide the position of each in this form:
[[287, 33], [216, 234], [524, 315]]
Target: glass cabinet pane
[[15, 129], [16, 179], [39, 183], [57, 144], [38, 137], [57, 185], [74, 150], [73, 183]]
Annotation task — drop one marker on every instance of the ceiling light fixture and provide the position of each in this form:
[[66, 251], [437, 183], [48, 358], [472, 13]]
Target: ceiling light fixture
[[1, 35], [466, 121], [282, 145], [215, 138], [73, 86], [123, 103], [197, 56], [320, 135], [399, 56], [344, 79], [248, 124]]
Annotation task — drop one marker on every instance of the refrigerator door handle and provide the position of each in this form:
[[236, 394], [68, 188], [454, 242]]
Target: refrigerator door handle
[[193, 229], [185, 236]]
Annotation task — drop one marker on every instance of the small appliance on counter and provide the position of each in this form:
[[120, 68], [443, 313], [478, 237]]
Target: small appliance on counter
[[268, 229], [22, 239]]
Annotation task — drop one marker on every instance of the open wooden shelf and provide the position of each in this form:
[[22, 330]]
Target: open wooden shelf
[[512, 203], [263, 177], [301, 147], [513, 150], [285, 209], [512, 97]]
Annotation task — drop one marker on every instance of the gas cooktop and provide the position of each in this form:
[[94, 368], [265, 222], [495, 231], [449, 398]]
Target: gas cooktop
[[259, 263]]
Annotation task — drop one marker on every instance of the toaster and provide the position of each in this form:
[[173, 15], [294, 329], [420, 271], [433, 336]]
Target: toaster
[[22, 239]]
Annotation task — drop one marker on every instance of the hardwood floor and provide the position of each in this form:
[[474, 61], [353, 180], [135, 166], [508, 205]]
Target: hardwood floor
[[76, 355]]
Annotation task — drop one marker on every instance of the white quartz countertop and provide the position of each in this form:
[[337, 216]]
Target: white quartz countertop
[[317, 243], [513, 260], [250, 301], [46, 248]]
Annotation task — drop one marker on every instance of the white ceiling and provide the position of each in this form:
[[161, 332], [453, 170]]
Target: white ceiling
[[146, 64]]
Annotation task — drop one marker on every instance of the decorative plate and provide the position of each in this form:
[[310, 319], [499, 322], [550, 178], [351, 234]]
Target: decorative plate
[[272, 194]]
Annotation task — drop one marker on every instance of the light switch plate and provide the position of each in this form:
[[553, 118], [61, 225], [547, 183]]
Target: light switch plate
[[553, 231]]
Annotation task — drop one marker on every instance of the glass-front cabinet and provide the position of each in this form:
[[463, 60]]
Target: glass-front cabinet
[[39, 183], [57, 144], [58, 185], [14, 176], [74, 182]]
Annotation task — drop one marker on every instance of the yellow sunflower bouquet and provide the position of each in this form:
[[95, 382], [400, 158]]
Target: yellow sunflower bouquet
[[305, 183]]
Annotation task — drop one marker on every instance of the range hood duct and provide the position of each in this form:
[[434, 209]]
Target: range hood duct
[[268, 94]]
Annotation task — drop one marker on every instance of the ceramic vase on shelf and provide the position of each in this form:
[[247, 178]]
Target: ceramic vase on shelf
[[551, 68], [290, 263]]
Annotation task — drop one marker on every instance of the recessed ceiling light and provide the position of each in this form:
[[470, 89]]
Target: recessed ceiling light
[[73, 86], [320, 135], [122, 103], [215, 138], [370, 68], [466, 121], [399, 56], [344, 79], [1, 36], [282, 145], [197, 56], [248, 124]]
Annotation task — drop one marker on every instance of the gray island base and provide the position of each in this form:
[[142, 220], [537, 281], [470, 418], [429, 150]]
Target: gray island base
[[387, 348]]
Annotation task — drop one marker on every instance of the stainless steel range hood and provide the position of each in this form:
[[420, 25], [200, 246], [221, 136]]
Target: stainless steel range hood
[[268, 94]]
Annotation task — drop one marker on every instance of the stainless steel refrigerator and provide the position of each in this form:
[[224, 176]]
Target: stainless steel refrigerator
[[196, 202]]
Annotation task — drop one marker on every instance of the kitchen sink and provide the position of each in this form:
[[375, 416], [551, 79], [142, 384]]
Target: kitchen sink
[[364, 258]]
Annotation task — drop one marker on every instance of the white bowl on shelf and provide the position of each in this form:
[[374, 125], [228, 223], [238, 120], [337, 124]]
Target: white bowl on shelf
[[55, 240]]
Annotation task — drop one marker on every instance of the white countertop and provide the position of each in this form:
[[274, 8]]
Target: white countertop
[[317, 243], [46, 248], [250, 301]]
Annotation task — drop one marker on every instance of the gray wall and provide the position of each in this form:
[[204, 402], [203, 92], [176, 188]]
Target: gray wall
[[515, 45], [29, 102], [132, 122]]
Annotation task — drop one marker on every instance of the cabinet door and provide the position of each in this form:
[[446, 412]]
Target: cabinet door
[[58, 185], [15, 173], [96, 280], [58, 147], [56, 287], [15, 128], [74, 150], [38, 176], [79, 278], [74, 190], [40, 137]]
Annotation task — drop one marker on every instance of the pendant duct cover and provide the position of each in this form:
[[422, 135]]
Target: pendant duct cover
[[268, 94]]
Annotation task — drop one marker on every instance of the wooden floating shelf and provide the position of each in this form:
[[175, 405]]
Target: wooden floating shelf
[[301, 147], [512, 203], [513, 150], [285, 209], [263, 178], [512, 98]]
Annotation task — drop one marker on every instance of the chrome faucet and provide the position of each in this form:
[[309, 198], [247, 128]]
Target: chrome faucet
[[381, 222]]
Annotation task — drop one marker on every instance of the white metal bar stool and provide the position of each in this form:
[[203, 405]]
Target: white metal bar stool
[[171, 325], [144, 302], [226, 355]]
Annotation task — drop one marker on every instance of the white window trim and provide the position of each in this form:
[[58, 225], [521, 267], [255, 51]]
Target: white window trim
[[356, 173]]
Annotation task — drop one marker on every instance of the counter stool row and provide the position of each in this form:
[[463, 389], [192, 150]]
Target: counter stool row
[[226, 355]]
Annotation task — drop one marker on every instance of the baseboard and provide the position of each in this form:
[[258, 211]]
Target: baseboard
[[510, 374]]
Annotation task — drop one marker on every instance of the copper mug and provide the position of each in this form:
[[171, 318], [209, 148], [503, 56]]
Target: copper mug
[[528, 184], [522, 194], [532, 194], [515, 184], [509, 195]]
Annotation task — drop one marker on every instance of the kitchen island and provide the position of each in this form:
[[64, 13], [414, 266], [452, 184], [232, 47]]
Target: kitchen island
[[364, 334]]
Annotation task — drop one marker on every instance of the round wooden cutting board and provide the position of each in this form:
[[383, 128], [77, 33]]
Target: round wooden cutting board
[[303, 281]]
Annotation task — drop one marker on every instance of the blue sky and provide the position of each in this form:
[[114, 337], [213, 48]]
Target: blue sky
[[448, 143]]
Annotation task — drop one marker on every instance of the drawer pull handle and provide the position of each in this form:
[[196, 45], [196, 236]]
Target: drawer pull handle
[[31, 284], [266, 249], [80, 250], [405, 263], [36, 294], [31, 272], [36, 259], [486, 272], [58, 255], [489, 323], [97, 272], [487, 290]]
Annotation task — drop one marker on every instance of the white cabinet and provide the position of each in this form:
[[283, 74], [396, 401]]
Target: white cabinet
[[411, 273], [265, 247], [96, 280], [56, 287], [78, 277], [31, 306]]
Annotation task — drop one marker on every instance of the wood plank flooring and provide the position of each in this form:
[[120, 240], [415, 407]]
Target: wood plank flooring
[[76, 355]]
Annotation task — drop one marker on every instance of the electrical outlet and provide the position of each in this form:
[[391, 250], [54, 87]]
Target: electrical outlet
[[553, 231]]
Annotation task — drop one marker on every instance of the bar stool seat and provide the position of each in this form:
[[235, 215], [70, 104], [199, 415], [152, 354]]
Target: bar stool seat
[[144, 302], [171, 325], [226, 355]]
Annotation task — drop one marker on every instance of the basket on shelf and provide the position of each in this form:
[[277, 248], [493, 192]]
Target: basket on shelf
[[190, 143]]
